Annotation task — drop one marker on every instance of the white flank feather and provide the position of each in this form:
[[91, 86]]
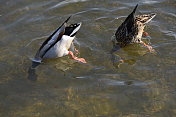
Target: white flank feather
[[60, 48]]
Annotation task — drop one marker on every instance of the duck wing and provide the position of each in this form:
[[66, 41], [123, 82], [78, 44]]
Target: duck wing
[[130, 21], [127, 28]]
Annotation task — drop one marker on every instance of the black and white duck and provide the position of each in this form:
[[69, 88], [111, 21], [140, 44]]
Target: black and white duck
[[59, 43], [56, 45]]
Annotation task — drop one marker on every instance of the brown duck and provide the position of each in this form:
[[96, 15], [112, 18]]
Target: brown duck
[[132, 29]]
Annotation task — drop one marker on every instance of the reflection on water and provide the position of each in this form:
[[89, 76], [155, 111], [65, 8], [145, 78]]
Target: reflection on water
[[143, 86]]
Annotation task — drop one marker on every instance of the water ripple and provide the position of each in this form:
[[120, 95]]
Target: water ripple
[[150, 1], [139, 83], [112, 82], [66, 2]]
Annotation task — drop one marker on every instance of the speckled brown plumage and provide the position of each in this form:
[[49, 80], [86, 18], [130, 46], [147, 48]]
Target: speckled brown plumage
[[130, 31]]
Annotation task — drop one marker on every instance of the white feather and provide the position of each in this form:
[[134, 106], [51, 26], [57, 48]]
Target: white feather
[[60, 48]]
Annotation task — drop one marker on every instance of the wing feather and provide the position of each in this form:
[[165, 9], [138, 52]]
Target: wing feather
[[51, 40]]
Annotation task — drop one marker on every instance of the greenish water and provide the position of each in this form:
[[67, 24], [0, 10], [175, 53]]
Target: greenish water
[[145, 85]]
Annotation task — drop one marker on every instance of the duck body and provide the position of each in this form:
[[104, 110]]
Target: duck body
[[131, 30], [60, 48], [58, 44]]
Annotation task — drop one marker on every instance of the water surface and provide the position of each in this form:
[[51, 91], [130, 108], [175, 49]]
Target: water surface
[[143, 86]]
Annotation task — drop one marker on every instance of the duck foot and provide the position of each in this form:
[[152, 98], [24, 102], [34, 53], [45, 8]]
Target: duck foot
[[121, 62], [76, 58], [149, 47], [74, 49], [146, 34]]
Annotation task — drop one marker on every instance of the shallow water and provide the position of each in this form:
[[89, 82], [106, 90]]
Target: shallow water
[[143, 86]]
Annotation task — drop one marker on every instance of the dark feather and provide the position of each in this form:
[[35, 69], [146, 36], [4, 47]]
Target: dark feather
[[129, 21], [46, 41], [69, 29]]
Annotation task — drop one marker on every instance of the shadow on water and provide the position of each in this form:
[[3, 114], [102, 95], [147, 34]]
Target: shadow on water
[[64, 66], [114, 58], [133, 52], [31, 71], [117, 59]]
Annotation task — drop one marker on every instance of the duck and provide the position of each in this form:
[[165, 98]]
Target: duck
[[59, 43], [132, 29]]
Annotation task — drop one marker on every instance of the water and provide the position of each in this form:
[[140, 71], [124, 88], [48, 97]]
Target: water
[[143, 86]]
